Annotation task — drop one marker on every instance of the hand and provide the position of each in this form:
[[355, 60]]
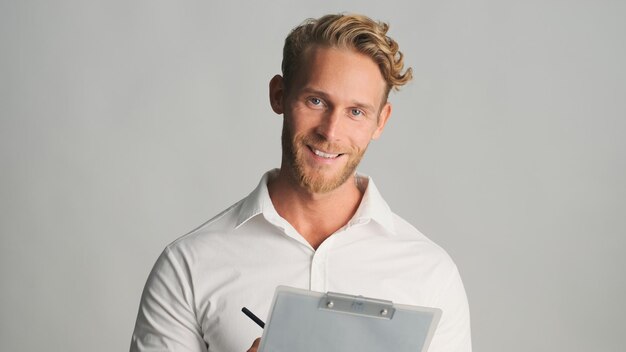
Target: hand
[[255, 345]]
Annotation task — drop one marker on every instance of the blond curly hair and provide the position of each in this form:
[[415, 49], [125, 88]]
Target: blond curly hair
[[351, 31]]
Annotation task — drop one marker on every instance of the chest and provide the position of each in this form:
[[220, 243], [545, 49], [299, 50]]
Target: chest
[[377, 270]]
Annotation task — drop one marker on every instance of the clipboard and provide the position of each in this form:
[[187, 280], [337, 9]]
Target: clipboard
[[307, 321]]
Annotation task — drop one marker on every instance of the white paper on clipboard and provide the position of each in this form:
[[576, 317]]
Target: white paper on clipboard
[[307, 321]]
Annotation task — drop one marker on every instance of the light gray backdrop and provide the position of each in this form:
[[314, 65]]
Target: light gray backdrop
[[125, 124]]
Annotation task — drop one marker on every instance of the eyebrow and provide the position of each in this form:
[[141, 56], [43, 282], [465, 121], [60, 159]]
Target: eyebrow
[[360, 105]]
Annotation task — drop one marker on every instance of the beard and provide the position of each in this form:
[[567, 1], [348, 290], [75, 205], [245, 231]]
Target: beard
[[314, 179]]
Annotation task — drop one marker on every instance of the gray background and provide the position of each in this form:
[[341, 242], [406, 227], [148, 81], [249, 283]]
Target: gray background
[[124, 124]]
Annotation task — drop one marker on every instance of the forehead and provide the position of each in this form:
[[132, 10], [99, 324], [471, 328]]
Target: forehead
[[341, 73]]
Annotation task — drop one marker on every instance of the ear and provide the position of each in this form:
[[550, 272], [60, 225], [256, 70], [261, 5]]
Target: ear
[[277, 91], [384, 115]]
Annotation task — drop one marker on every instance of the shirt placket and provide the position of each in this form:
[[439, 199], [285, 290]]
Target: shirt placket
[[319, 266]]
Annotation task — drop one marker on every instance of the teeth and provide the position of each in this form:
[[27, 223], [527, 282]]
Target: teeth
[[325, 155]]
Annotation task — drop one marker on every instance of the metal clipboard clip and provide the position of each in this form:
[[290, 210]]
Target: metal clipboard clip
[[357, 305]]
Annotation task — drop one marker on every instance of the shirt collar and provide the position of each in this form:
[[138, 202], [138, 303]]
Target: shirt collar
[[259, 201], [372, 207]]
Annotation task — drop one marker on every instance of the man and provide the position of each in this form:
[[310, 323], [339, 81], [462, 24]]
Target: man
[[314, 223]]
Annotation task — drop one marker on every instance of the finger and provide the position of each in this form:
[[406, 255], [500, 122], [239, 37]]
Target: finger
[[255, 345]]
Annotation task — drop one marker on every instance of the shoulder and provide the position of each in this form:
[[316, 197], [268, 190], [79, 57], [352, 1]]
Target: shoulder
[[219, 226], [427, 258], [409, 234]]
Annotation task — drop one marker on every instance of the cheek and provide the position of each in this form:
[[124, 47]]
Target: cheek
[[361, 137], [302, 124], [362, 144]]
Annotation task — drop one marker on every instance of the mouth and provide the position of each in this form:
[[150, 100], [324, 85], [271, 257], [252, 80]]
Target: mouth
[[323, 154]]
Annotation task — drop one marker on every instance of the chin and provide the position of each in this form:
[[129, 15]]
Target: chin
[[316, 182]]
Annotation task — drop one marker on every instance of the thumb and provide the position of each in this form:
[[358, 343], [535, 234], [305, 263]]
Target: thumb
[[255, 345]]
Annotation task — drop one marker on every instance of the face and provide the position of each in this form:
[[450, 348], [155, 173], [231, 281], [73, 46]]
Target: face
[[332, 110]]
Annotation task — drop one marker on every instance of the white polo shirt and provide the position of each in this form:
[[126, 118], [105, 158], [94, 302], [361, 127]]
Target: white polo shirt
[[193, 297]]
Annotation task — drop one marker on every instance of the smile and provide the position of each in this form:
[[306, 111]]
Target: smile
[[324, 154]]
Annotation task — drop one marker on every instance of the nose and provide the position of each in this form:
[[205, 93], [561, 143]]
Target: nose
[[329, 125]]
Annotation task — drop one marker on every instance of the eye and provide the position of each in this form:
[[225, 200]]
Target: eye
[[356, 112], [315, 101]]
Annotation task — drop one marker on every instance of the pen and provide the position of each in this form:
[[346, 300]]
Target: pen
[[251, 315]]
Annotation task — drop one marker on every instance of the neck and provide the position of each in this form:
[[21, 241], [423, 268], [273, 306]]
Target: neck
[[315, 216]]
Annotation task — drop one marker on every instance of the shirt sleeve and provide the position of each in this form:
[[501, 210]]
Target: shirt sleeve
[[453, 332], [166, 320]]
